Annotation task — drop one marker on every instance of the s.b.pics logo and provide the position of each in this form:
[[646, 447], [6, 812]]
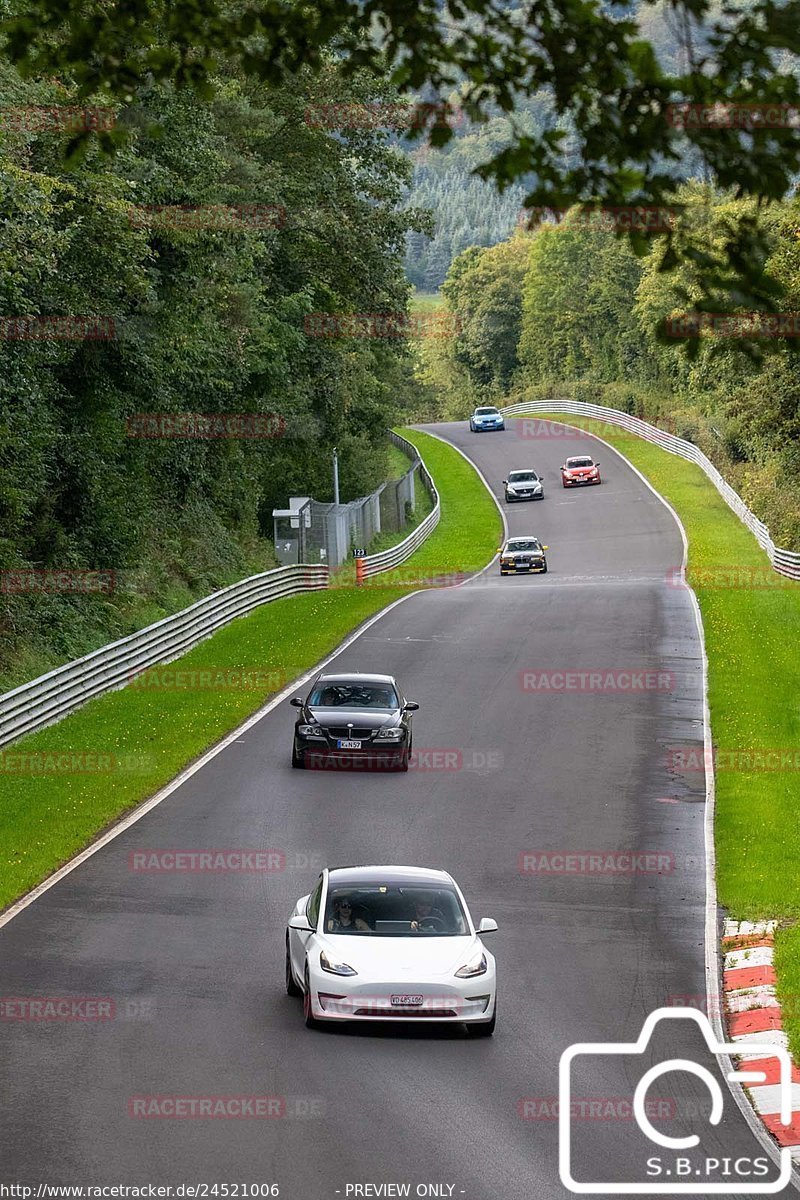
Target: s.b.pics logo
[[670, 1158]]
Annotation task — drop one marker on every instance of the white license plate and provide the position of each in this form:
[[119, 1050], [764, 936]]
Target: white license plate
[[407, 1001], [348, 744]]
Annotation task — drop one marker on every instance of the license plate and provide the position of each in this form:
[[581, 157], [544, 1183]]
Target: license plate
[[407, 1001], [348, 744]]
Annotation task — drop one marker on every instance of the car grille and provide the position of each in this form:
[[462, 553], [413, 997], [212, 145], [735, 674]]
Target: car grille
[[341, 731], [405, 1014]]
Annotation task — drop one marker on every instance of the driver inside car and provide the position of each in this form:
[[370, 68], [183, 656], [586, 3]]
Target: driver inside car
[[426, 917]]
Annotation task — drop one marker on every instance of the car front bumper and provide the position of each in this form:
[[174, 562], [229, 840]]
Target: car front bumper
[[370, 757], [481, 428], [524, 569], [337, 998], [580, 482], [530, 496]]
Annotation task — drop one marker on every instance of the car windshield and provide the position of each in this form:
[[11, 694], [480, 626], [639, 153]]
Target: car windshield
[[580, 462], [353, 695], [394, 910], [485, 412], [523, 477], [523, 544]]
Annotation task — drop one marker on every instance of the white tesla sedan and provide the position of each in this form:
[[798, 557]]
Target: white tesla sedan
[[376, 943]]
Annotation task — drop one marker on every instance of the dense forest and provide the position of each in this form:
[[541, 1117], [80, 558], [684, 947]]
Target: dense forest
[[568, 309], [199, 316], [470, 212]]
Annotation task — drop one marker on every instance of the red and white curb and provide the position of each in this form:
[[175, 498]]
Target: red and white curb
[[753, 1014]]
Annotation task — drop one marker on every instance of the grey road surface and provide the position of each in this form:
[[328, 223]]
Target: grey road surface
[[194, 962]]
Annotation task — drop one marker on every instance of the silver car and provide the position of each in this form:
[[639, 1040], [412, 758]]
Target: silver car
[[523, 485]]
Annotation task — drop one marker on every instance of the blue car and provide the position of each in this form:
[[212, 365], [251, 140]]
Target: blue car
[[486, 418]]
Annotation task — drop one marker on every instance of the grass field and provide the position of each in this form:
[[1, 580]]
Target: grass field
[[137, 739], [426, 302], [751, 618]]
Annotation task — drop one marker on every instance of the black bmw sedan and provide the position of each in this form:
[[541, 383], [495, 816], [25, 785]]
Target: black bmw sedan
[[353, 720]]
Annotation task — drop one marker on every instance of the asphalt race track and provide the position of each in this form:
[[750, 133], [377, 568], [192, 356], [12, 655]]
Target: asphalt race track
[[194, 962]]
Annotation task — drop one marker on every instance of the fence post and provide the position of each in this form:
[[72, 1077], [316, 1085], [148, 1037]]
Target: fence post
[[360, 576]]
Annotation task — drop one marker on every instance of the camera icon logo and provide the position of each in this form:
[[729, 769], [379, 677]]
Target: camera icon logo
[[681, 1168]]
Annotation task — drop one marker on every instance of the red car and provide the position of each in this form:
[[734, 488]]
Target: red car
[[577, 471]]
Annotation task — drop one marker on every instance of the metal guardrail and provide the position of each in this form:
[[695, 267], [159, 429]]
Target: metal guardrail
[[385, 560], [50, 697], [785, 562]]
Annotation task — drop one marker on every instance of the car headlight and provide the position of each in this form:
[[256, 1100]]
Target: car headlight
[[477, 965], [511, 491], [390, 734], [310, 730], [333, 967]]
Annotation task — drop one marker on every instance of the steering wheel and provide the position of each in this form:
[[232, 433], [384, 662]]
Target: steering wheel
[[436, 922]]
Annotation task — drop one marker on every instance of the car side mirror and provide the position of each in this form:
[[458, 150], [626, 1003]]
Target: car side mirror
[[301, 923], [545, 547], [563, 467], [296, 702], [505, 481], [487, 925], [410, 706]]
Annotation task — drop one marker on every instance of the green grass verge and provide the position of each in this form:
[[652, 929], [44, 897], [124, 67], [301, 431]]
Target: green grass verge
[[752, 634], [142, 736]]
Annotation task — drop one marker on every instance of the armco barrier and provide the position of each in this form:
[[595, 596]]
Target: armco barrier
[[385, 560], [786, 562], [50, 697]]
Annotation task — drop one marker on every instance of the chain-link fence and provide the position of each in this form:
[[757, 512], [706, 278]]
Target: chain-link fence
[[311, 532]]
